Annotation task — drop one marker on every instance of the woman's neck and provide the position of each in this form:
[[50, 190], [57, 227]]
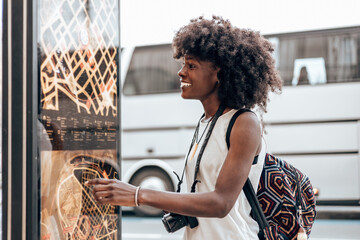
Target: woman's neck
[[210, 108]]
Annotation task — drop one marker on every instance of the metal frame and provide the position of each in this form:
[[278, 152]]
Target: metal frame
[[33, 157], [4, 153], [19, 156], [118, 134]]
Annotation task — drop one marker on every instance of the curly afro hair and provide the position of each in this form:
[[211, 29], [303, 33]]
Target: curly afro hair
[[247, 69]]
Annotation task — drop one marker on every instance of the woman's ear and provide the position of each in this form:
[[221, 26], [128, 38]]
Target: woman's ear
[[217, 70], [220, 74]]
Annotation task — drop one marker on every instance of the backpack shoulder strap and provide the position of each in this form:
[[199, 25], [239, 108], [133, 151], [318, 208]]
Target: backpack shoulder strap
[[255, 206], [248, 189], [232, 122]]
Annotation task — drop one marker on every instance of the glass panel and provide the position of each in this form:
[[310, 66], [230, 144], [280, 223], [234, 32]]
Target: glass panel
[[152, 70], [78, 125], [340, 53], [343, 54]]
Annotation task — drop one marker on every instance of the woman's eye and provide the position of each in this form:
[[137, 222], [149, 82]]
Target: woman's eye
[[191, 66]]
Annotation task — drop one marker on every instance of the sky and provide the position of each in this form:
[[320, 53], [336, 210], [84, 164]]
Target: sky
[[145, 22]]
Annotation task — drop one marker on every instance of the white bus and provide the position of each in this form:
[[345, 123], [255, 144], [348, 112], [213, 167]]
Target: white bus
[[314, 124]]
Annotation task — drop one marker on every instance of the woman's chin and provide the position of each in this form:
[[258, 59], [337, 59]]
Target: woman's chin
[[185, 96]]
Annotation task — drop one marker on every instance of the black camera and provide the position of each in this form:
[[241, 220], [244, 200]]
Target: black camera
[[174, 222]]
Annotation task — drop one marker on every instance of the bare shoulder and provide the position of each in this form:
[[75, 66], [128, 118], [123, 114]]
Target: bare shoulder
[[247, 125], [247, 120]]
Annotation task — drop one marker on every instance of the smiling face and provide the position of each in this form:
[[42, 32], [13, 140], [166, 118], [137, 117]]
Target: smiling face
[[198, 79]]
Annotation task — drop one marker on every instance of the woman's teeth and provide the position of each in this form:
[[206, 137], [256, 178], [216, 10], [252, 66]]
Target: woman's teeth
[[185, 84]]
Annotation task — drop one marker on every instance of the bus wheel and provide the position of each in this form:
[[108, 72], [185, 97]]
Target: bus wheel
[[152, 178]]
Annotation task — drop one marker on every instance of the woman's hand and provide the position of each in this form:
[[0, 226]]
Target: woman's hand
[[112, 191]]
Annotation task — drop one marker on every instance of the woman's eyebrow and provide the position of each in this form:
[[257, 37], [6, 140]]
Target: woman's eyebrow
[[189, 58], [193, 60]]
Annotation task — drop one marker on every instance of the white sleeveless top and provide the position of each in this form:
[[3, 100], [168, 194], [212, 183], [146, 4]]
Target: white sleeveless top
[[238, 224]]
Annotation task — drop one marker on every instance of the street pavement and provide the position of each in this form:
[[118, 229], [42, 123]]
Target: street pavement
[[136, 228]]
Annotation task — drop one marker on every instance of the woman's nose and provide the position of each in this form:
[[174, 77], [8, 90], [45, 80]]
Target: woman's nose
[[181, 72]]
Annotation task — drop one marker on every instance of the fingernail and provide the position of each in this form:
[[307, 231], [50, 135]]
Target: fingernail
[[86, 183]]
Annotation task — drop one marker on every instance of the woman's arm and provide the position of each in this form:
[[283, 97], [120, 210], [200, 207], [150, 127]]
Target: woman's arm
[[245, 139]]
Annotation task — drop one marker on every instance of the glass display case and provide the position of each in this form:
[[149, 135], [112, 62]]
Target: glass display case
[[78, 47], [61, 116]]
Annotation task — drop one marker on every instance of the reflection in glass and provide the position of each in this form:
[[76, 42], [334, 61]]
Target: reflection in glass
[[309, 71], [78, 52], [152, 70]]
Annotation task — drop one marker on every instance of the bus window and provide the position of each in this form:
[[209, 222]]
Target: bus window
[[152, 70], [309, 71], [338, 51]]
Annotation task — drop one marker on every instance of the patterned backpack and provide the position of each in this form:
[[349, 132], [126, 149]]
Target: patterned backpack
[[284, 205]]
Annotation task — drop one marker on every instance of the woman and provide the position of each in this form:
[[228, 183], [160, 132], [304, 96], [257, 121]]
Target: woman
[[227, 66]]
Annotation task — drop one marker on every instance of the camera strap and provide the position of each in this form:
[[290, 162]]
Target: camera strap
[[218, 113]]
